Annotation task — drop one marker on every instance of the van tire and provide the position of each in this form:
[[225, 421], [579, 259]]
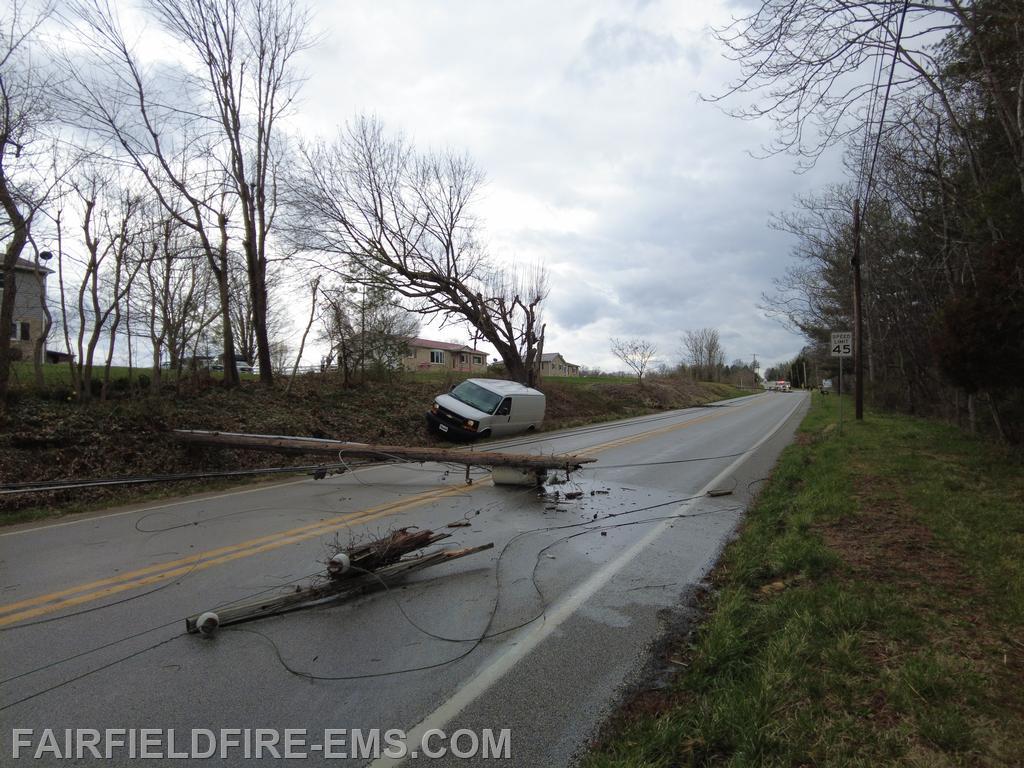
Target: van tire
[[532, 428], [485, 434]]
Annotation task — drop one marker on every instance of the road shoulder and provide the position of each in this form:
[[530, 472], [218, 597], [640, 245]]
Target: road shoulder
[[871, 606]]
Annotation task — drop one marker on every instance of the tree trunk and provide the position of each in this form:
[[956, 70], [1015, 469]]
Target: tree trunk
[[222, 274], [16, 244], [996, 418]]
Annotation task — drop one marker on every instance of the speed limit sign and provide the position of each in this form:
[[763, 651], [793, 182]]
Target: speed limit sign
[[842, 344]]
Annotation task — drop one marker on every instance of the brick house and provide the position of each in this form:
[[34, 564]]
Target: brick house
[[427, 355], [29, 317], [553, 364]]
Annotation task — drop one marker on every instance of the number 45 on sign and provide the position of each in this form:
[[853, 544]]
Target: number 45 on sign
[[842, 344]]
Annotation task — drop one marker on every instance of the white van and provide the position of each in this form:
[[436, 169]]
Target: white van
[[484, 408]]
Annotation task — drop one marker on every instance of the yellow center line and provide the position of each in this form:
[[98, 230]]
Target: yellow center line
[[53, 601], [30, 608], [664, 430]]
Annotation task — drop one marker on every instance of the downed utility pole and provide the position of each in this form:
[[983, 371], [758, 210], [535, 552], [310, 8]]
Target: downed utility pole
[[350, 572], [343, 449]]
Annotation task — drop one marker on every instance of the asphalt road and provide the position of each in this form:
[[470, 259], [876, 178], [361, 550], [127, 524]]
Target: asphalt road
[[540, 635]]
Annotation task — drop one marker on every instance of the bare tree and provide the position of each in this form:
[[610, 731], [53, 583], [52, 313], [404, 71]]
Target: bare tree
[[404, 220], [246, 49], [162, 131], [176, 293], [809, 64], [635, 353], [208, 141], [314, 287], [25, 108], [109, 234], [244, 314], [338, 333], [704, 352]]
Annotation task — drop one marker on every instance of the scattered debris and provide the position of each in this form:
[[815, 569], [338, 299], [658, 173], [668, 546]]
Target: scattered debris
[[376, 563], [458, 524], [720, 492], [574, 494]]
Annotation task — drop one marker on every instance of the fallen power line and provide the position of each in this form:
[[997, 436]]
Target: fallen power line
[[42, 486]]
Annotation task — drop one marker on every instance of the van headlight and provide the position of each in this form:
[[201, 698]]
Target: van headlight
[[435, 408], [470, 424]]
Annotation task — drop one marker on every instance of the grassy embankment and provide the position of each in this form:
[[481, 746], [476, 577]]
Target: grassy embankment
[[869, 613], [46, 436]]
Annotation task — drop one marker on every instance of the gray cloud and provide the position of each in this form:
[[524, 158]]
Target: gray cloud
[[617, 45], [643, 201]]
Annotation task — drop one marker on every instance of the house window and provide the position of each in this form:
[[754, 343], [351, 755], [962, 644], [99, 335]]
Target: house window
[[436, 356], [477, 360], [20, 331]]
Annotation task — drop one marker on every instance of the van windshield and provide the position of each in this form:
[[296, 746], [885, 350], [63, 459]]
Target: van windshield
[[473, 394]]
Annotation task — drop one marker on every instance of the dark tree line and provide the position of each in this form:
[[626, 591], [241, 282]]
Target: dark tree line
[[943, 227]]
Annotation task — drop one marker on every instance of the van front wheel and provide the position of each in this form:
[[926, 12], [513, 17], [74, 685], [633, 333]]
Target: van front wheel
[[485, 434]]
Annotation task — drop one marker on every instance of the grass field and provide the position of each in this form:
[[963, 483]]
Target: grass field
[[23, 374], [870, 613]]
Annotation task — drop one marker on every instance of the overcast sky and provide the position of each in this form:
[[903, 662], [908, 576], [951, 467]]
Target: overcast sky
[[643, 201]]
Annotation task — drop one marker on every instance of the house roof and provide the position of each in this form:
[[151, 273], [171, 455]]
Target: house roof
[[447, 345], [29, 266], [549, 357]]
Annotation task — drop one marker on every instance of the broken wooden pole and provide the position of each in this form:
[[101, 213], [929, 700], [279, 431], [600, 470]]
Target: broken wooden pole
[[342, 583], [342, 449]]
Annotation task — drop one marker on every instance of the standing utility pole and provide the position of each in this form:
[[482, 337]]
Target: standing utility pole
[[858, 320]]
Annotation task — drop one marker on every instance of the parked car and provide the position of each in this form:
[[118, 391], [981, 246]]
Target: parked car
[[484, 408]]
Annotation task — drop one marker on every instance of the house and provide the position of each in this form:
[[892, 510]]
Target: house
[[553, 364], [29, 312], [427, 355]]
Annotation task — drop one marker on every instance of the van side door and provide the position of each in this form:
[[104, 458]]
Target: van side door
[[502, 418]]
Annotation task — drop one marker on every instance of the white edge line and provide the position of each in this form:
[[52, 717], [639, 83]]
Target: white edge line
[[522, 645]]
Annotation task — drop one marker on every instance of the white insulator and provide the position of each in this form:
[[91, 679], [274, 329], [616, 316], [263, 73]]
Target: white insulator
[[207, 623], [340, 563]]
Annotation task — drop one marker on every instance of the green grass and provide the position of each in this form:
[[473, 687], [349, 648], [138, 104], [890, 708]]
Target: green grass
[[590, 380], [448, 374], [23, 375], [869, 613]]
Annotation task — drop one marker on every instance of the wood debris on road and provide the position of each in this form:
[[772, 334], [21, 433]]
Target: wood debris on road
[[352, 571]]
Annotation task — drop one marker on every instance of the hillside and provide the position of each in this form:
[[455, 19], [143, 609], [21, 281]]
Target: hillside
[[46, 437]]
